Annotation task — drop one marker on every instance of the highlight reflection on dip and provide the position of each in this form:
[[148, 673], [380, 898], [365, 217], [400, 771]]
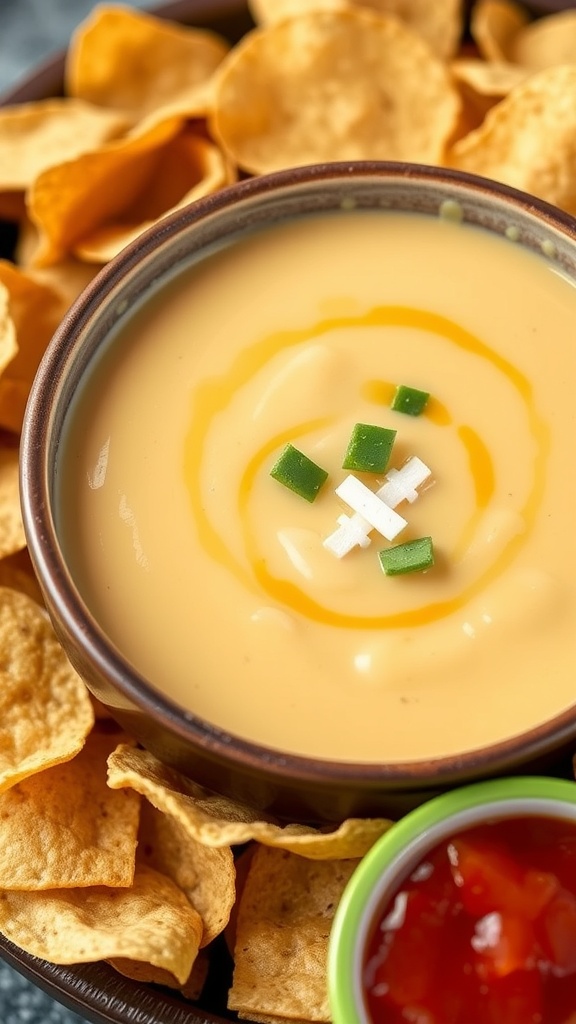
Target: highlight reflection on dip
[[213, 579]]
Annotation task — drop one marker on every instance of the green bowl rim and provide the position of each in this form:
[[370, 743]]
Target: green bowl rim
[[426, 826]]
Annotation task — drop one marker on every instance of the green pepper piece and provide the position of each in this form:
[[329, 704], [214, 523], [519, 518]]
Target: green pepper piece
[[369, 448], [297, 472], [413, 556], [409, 400]]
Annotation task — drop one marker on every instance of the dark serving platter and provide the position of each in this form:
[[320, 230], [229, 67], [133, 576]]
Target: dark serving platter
[[96, 991]]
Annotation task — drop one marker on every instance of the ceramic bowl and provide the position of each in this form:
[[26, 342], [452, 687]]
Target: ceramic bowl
[[397, 853], [293, 787]]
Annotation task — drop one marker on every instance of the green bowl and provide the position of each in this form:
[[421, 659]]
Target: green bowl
[[394, 857]]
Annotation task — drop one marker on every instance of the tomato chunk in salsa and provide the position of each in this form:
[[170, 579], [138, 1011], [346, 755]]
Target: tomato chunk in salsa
[[482, 932]]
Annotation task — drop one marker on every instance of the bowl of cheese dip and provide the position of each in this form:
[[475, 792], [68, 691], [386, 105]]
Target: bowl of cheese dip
[[296, 476]]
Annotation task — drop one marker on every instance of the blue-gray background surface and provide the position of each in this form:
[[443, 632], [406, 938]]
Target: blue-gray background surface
[[30, 31]]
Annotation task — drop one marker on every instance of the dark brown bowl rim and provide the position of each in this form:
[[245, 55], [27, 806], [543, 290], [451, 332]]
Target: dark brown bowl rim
[[45, 551]]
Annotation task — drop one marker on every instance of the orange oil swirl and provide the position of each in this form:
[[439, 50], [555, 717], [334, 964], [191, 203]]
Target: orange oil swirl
[[214, 395]]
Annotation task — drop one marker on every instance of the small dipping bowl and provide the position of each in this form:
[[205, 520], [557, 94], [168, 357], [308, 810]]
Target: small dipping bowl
[[294, 787], [395, 856]]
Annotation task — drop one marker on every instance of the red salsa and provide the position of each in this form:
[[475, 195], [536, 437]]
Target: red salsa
[[483, 931]]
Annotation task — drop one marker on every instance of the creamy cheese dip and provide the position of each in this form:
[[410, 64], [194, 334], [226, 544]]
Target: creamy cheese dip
[[212, 578]]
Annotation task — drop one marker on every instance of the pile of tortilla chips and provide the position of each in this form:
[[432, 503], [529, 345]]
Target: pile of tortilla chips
[[105, 854]]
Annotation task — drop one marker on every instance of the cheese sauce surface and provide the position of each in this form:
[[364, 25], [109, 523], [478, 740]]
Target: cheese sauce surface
[[212, 578]]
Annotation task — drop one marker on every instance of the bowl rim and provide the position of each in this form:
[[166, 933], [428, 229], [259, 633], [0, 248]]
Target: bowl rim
[[402, 847], [427, 773]]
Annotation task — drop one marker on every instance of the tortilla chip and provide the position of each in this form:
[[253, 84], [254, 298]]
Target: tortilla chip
[[67, 278], [16, 573], [8, 343], [481, 84], [68, 202], [242, 864], [216, 821], [123, 185], [493, 24], [65, 828], [190, 168], [12, 537], [36, 310], [194, 984], [490, 79], [545, 43], [26, 243], [133, 62], [192, 987], [439, 23], [45, 711], [206, 875], [332, 85], [529, 139], [284, 922], [266, 1018], [269, 12], [35, 136], [151, 922]]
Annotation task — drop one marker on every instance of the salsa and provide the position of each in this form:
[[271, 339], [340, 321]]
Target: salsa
[[482, 932]]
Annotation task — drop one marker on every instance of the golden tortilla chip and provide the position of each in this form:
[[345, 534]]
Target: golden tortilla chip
[[205, 874], [269, 12], [217, 821], [332, 85], [482, 84], [133, 62], [284, 923], [65, 828], [12, 537], [45, 711], [8, 343], [26, 243], [490, 79], [151, 922], [35, 136], [16, 573], [242, 864], [545, 43], [439, 23], [493, 24], [124, 186], [194, 984], [190, 168], [266, 1018], [529, 139], [67, 278], [36, 310], [192, 987]]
